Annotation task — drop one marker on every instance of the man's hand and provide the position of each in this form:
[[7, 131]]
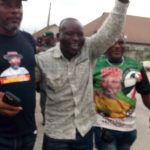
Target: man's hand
[[6, 109], [124, 1]]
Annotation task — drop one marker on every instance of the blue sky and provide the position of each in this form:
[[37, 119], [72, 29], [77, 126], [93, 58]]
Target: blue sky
[[36, 11]]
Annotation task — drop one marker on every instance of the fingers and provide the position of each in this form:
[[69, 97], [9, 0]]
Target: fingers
[[9, 113], [3, 105], [1, 95], [6, 109], [9, 110]]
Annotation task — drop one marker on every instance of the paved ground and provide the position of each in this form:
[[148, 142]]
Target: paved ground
[[143, 126], [38, 145]]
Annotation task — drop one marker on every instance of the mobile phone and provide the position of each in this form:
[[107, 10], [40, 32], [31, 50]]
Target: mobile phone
[[11, 99]]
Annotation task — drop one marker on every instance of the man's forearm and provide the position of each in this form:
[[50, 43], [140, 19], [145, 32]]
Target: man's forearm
[[146, 100], [111, 28]]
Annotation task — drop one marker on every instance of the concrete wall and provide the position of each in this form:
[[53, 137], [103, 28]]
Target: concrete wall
[[138, 51]]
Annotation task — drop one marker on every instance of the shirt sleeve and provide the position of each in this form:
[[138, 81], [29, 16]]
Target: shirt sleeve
[[37, 69], [109, 32]]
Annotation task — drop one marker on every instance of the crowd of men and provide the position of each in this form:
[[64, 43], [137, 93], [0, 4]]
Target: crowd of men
[[64, 72]]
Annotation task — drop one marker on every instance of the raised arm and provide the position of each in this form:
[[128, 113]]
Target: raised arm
[[109, 32]]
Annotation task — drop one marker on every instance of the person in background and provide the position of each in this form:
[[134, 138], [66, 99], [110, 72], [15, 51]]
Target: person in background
[[116, 80], [67, 73], [39, 44], [49, 39], [17, 48], [46, 41]]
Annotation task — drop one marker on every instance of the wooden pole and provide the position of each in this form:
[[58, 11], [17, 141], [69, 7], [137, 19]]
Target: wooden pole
[[48, 20]]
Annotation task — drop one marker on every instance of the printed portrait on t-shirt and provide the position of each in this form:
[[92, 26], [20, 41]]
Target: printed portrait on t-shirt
[[15, 72], [116, 98]]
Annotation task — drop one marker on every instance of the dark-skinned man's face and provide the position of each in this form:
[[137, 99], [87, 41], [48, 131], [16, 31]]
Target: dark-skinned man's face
[[116, 51], [10, 15], [71, 38]]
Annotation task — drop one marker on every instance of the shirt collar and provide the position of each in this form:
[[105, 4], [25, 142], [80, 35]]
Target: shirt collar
[[57, 51]]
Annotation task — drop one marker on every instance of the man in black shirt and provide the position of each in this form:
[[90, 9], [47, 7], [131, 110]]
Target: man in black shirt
[[17, 125]]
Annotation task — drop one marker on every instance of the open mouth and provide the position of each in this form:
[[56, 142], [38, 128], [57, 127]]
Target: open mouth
[[74, 45]]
